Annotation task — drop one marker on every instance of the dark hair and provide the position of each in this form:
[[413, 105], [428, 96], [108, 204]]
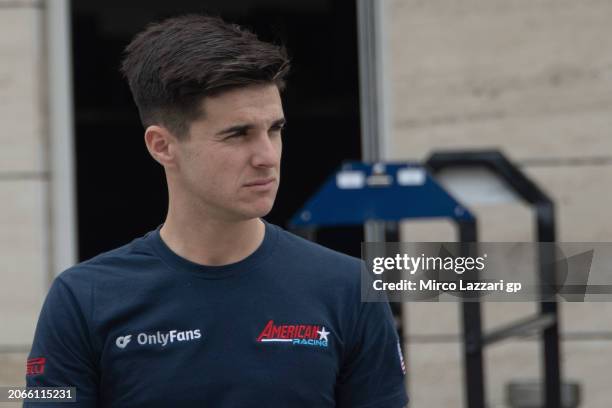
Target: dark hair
[[172, 65]]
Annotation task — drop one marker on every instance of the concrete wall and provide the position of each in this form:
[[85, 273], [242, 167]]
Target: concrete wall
[[24, 183], [533, 78]]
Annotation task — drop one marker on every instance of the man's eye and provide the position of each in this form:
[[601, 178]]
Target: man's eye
[[239, 133], [276, 128]]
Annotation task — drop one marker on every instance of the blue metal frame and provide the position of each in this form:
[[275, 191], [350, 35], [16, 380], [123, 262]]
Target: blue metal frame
[[378, 194]]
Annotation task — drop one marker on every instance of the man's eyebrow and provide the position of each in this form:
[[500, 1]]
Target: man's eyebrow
[[244, 128], [236, 128], [279, 122]]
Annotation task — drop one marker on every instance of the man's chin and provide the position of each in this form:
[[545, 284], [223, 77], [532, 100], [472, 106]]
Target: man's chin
[[262, 212], [257, 211]]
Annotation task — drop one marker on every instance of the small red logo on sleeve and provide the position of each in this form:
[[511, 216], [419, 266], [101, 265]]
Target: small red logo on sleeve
[[35, 366]]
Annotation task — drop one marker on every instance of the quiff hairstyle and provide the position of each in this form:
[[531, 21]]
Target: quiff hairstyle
[[173, 65]]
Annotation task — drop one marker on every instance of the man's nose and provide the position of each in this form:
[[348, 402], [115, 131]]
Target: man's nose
[[266, 151]]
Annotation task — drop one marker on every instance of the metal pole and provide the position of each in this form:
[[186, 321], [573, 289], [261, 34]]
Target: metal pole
[[373, 83], [551, 348], [473, 339], [372, 96], [392, 235], [63, 226]]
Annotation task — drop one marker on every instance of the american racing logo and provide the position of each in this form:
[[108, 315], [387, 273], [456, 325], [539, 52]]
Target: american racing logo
[[159, 338], [297, 334]]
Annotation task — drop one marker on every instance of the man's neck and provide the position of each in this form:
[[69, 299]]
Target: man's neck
[[212, 242]]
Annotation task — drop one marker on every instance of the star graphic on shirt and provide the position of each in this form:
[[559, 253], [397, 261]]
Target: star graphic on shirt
[[323, 334]]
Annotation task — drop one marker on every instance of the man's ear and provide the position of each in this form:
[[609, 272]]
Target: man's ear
[[160, 144]]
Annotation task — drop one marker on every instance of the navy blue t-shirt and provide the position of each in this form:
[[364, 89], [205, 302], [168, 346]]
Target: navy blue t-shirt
[[142, 327]]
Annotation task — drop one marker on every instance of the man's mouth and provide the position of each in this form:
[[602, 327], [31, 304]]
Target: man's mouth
[[260, 182]]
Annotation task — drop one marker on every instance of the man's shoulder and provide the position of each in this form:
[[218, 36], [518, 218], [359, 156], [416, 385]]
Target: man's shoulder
[[296, 246], [117, 261], [315, 263]]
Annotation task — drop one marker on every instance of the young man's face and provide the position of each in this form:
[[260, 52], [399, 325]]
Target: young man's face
[[229, 165]]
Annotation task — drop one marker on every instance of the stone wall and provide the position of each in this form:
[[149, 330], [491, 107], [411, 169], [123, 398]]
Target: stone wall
[[534, 79], [24, 183]]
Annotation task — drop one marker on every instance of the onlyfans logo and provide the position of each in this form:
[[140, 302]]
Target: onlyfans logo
[[123, 341], [160, 338]]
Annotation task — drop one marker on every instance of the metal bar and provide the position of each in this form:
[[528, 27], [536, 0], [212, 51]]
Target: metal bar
[[62, 238], [529, 191], [552, 365], [497, 163], [392, 235], [474, 363], [372, 93], [521, 328], [373, 83], [472, 332]]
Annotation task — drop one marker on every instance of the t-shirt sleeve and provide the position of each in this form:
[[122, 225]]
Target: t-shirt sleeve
[[62, 354], [373, 371]]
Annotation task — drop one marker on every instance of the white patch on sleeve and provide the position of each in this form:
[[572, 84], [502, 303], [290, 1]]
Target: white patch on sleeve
[[401, 357]]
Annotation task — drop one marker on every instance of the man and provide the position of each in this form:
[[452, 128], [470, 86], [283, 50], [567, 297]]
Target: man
[[217, 308]]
